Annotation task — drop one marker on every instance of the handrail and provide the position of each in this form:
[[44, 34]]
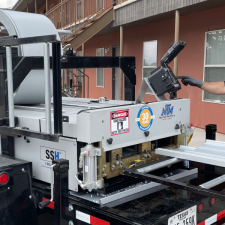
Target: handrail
[[87, 20]]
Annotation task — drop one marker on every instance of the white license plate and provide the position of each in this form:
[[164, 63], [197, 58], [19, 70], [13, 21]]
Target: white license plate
[[187, 217]]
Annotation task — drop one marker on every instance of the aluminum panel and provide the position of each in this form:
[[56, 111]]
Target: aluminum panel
[[211, 152]]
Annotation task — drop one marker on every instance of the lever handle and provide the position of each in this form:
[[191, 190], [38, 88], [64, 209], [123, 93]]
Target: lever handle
[[44, 204]]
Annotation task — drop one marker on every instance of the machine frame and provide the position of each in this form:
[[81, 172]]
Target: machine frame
[[66, 205]]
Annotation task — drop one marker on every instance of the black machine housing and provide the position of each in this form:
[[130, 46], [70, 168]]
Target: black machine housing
[[162, 79]]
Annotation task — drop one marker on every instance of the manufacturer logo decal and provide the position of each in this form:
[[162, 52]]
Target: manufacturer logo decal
[[49, 154], [145, 118], [167, 112]]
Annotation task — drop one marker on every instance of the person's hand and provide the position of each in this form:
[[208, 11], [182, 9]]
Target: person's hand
[[191, 81]]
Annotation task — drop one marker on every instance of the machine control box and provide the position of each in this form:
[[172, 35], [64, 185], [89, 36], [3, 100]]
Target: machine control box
[[162, 79]]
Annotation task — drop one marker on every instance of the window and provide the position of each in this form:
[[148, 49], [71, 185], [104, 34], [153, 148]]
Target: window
[[79, 9], [149, 59], [51, 6], [100, 71], [214, 62], [79, 74], [100, 4]]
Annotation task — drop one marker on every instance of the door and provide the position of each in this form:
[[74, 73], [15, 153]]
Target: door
[[116, 77]]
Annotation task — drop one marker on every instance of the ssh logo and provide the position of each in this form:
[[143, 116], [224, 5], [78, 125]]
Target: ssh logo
[[53, 155], [167, 112], [49, 154]]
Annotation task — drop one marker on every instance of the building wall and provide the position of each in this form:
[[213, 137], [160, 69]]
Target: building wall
[[43, 7], [191, 59]]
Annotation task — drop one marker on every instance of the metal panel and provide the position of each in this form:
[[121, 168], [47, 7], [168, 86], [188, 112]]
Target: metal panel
[[35, 152], [94, 125], [211, 152]]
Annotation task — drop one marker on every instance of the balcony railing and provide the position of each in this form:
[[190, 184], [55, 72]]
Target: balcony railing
[[72, 13]]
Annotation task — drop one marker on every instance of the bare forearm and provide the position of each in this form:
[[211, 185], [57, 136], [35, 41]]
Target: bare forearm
[[217, 88]]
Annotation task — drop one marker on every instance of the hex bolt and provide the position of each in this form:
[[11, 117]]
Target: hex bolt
[[70, 208], [71, 222]]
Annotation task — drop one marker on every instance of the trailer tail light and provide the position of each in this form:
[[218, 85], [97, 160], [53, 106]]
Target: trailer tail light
[[200, 207], [212, 201], [4, 178]]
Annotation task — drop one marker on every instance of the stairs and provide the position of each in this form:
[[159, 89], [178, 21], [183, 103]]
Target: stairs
[[89, 27]]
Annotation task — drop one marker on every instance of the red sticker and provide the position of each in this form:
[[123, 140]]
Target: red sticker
[[96, 221], [119, 122]]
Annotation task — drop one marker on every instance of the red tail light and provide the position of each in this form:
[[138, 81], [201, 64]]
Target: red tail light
[[212, 201], [4, 178], [200, 207]]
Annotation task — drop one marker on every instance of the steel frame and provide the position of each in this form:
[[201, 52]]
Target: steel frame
[[23, 65]]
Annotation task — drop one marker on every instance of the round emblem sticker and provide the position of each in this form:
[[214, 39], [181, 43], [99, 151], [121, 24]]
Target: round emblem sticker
[[145, 118]]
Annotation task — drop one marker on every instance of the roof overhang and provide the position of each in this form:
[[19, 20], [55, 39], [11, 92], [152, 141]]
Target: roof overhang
[[143, 12], [21, 5]]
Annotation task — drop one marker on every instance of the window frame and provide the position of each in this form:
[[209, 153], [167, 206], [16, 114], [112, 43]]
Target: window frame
[[210, 66], [149, 67], [99, 68]]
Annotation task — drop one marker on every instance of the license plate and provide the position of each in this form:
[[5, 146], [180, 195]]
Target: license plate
[[187, 217]]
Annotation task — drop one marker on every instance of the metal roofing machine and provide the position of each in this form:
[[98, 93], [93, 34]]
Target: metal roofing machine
[[97, 161]]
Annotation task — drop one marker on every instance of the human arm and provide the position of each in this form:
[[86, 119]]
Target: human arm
[[217, 88]]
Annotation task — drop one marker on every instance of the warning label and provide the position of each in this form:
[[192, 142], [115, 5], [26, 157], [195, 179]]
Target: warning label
[[119, 122]]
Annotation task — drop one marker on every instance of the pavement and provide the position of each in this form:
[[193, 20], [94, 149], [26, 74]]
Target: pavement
[[199, 137]]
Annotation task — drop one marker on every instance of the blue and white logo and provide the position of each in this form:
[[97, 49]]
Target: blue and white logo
[[167, 112], [49, 154]]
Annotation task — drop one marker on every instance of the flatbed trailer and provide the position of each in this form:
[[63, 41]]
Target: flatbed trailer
[[109, 171]]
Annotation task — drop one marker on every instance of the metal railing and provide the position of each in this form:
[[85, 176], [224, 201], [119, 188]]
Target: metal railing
[[75, 14], [75, 90]]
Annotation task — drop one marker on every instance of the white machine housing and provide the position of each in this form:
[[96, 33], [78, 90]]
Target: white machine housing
[[91, 122]]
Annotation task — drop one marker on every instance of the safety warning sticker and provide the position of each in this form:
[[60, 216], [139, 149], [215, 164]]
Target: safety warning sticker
[[119, 122]]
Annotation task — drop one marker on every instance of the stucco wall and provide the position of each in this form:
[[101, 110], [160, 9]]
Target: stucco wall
[[191, 59]]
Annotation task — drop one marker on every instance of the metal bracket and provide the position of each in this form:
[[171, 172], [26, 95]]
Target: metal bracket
[[145, 84]]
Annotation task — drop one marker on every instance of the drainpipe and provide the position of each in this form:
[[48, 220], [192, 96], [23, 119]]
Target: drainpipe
[[121, 54], [46, 6], [177, 31], [35, 2], [83, 80]]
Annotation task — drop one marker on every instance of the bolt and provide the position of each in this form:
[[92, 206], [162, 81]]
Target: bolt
[[71, 222], [30, 197], [23, 169], [8, 187], [102, 121], [70, 208]]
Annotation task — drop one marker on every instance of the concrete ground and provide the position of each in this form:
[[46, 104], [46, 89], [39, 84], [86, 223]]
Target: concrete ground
[[199, 137]]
